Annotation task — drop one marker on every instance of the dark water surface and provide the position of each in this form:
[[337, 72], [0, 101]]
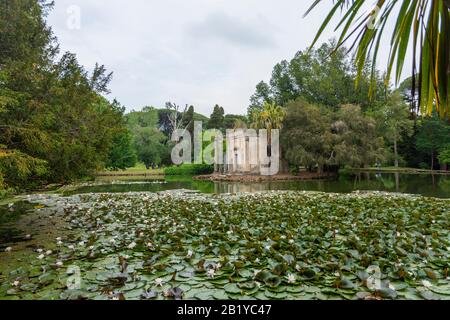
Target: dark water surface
[[426, 185]]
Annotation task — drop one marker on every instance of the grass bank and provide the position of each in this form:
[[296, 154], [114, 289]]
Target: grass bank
[[138, 170], [395, 170]]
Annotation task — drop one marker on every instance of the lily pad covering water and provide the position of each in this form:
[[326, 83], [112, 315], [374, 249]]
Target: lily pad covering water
[[277, 245]]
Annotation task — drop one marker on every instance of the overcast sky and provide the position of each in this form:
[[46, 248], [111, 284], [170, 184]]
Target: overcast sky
[[196, 52]]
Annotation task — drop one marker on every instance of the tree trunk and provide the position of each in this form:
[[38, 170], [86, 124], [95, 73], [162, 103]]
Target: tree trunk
[[432, 160], [396, 152]]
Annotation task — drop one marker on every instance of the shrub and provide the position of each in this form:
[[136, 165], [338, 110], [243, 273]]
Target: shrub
[[189, 170], [2, 185], [20, 170]]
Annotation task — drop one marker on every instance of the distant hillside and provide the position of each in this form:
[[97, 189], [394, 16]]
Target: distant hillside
[[154, 118]]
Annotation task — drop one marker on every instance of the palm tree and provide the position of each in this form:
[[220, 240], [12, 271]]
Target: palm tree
[[271, 117], [239, 124], [428, 21]]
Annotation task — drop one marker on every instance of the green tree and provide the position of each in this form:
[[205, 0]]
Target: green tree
[[444, 155], [433, 135], [188, 120], [122, 154], [231, 119], [282, 86], [52, 112], [306, 137], [358, 143], [262, 94], [217, 118], [422, 27], [394, 121], [322, 76], [151, 146], [269, 118], [148, 117]]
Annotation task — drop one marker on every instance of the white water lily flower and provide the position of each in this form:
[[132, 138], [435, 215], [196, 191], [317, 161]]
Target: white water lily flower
[[159, 282], [28, 237], [10, 205], [211, 273], [291, 278], [112, 241], [267, 248], [257, 260], [297, 267], [59, 264], [141, 235], [291, 241], [427, 284], [71, 247], [81, 244], [9, 249], [49, 252], [16, 283], [91, 248], [58, 239], [149, 245], [218, 266], [132, 245], [190, 254], [39, 250], [41, 257], [283, 237]]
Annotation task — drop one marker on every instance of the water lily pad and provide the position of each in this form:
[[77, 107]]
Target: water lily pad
[[232, 288]]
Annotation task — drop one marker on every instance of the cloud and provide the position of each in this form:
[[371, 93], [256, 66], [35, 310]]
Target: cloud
[[220, 26], [196, 52]]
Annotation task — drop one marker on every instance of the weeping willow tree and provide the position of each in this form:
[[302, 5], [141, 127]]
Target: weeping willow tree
[[422, 26]]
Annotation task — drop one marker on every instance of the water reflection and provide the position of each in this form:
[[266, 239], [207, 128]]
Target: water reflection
[[9, 233], [427, 185]]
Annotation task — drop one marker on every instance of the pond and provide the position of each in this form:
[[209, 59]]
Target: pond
[[271, 245], [426, 185], [176, 238]]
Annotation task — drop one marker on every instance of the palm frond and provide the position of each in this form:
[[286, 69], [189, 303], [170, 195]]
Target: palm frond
[[422, 27]]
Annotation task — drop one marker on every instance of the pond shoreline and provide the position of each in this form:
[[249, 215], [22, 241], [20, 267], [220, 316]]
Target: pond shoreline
[[304, 176], [139, 174], [397, 170]]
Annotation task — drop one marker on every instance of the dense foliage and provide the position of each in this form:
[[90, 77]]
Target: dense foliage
[[314, 136], [319, 77], [331, 124], [189, 170], [55, 125]]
